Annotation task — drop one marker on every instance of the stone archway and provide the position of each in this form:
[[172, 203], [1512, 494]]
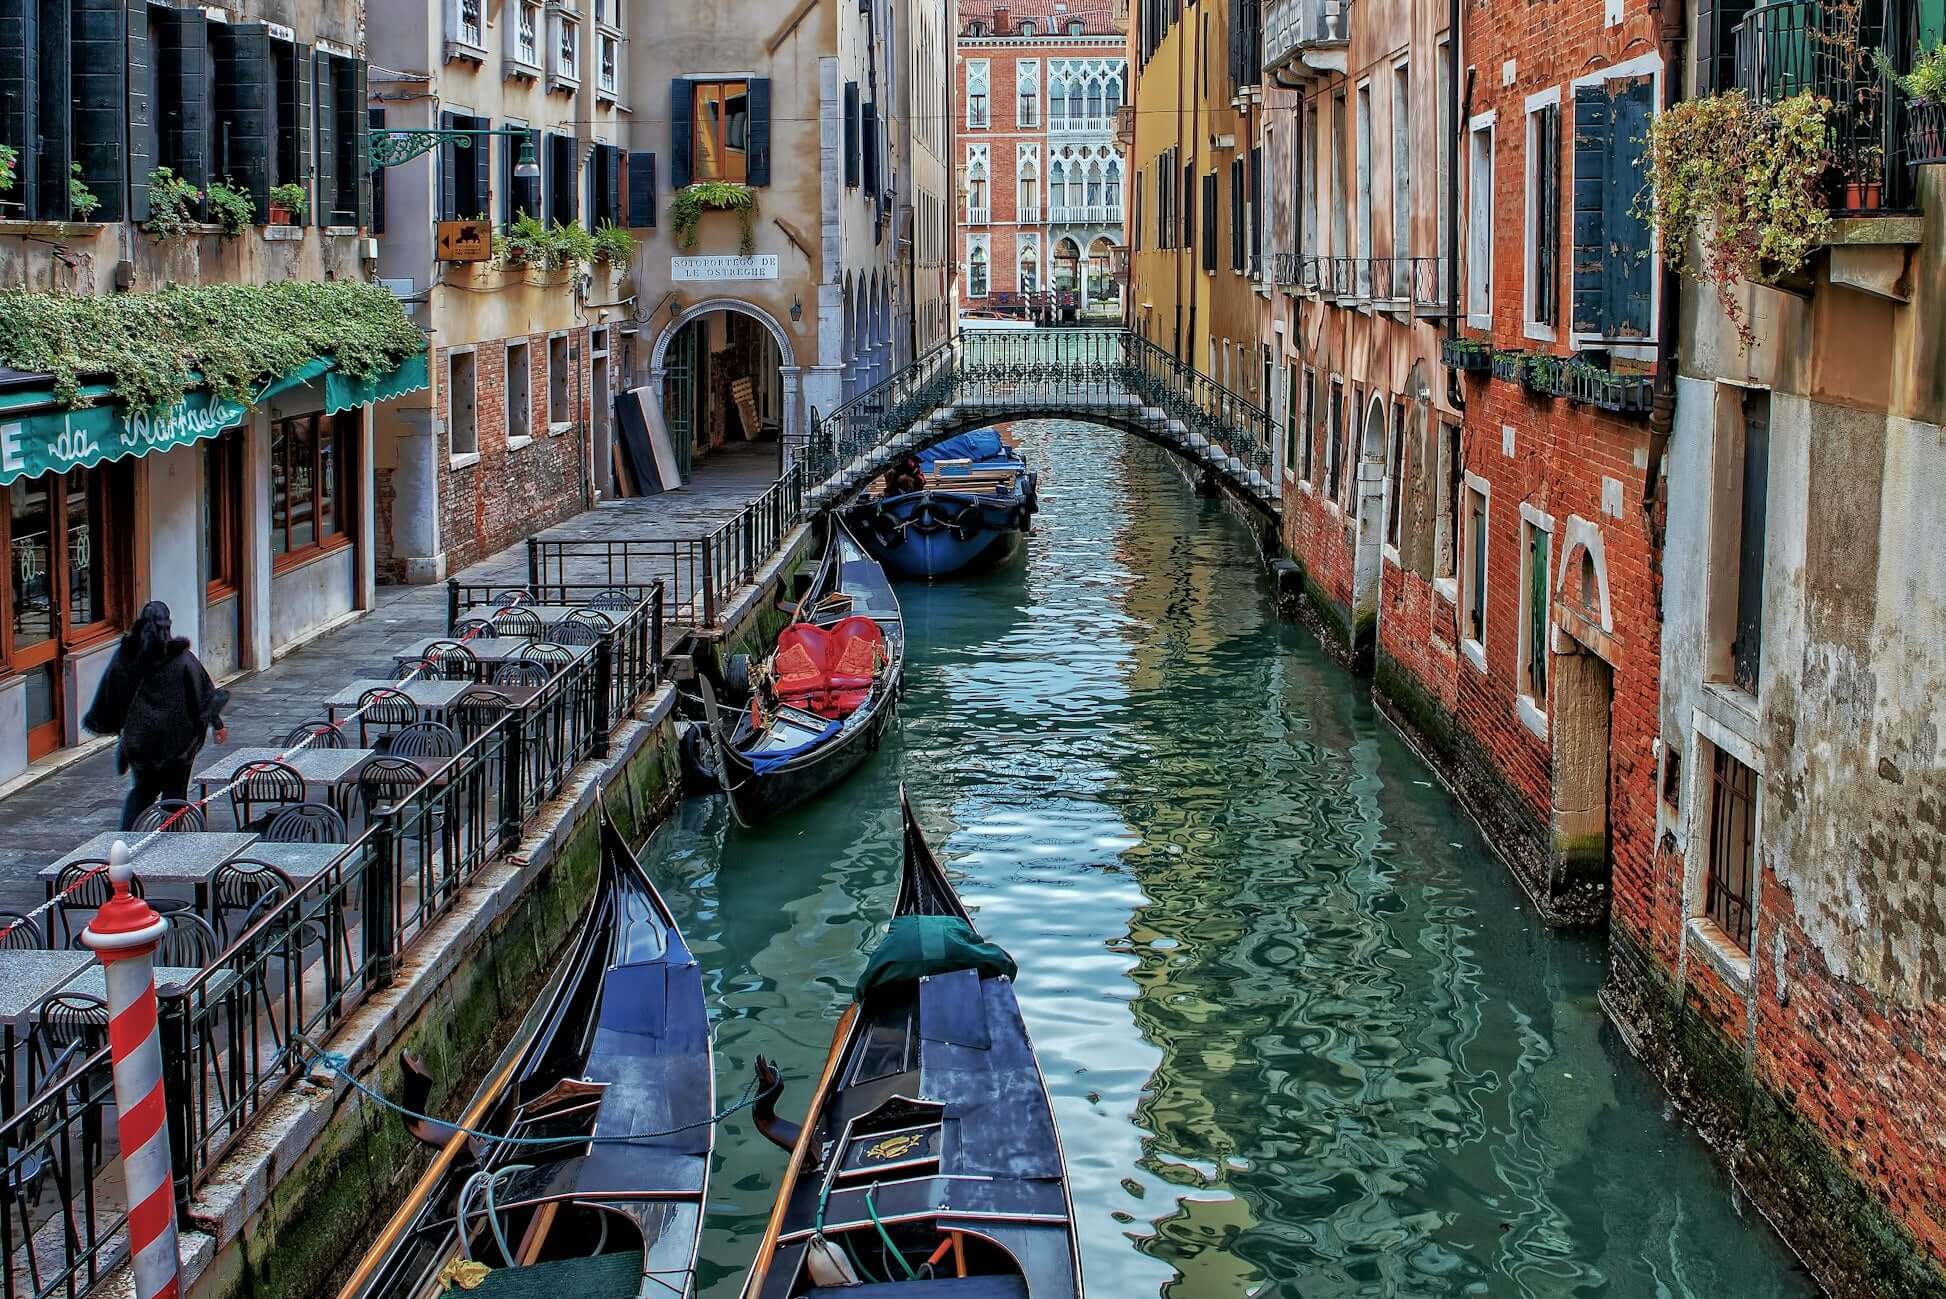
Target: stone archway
[[1368, 498], [1582, 665], [788, 370]]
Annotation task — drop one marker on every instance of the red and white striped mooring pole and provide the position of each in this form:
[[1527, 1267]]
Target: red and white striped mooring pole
[[124, 934]]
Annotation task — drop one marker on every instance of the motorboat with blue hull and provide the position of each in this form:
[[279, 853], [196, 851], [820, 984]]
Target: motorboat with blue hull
[[579, 1168], [819, 705], [960, 505], [928, 1165]]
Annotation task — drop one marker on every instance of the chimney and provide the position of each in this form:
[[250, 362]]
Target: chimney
[[1002, 15]]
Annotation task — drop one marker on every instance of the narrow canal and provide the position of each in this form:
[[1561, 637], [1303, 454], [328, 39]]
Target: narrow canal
[[1303, 1034]]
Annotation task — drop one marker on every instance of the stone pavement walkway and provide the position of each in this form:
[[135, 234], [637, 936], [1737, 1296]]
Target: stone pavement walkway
[[45, 820]]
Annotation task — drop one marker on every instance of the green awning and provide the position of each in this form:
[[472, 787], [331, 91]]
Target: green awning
[[37, 436]]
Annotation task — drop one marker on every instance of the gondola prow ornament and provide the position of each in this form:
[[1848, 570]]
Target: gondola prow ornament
[[124, 934]]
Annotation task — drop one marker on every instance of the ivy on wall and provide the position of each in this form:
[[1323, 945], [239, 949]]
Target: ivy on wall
[[229, 338]]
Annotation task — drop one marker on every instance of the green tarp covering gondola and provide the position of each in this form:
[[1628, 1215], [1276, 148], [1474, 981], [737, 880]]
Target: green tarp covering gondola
[[917, 946]]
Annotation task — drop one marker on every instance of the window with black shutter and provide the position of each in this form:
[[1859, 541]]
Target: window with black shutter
[[344, 174], [1612, 276], [519, 197], [641, 191], [605, 186], [291, 74], [324, 92], [759, 131], [376, 121], [70, 72], [851, 135], [563, 167], [1256, 203], [1188, 206], [1237, 215], [1209, 221], [871, 148], [179, 46], [245, 118], [1543, 173]]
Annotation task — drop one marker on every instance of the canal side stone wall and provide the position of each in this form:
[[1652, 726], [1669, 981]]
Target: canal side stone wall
[[1804, 1137], [1320, 538], [291, 1211]]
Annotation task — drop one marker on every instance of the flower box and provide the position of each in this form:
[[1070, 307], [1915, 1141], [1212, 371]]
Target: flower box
[[1467, 355], [1509, 363], [1590, 385], [1925, 133]]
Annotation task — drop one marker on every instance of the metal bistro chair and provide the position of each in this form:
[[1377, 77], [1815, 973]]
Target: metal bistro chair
[[259, 789], [307, 823], [71, 1026], [240, 887], [452, 661], [316, 735], [516, 595], [475, 712], [518, 622], [91, 889], [424, 740], [616, 599], [468, 628], [384, 780], [19, 933], [522, 672], [189, 941], [555, 656], [571, 630], [173, 816], [382, 711]]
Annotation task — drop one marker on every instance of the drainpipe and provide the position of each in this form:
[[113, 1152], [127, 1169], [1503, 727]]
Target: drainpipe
[[1671, 36]]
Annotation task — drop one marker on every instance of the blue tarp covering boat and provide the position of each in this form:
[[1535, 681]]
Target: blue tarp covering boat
[[960, 504]]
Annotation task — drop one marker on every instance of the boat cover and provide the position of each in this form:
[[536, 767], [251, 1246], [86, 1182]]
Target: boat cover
[[828, 671], [918, 946], [980, 444]]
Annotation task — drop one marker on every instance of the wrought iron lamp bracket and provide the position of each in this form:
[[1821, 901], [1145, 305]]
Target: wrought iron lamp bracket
[[395, 145]]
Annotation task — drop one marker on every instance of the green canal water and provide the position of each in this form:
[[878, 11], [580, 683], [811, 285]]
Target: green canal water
[[1303, 1034]]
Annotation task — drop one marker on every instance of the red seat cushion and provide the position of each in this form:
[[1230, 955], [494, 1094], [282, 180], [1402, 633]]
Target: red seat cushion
[[827, 670]]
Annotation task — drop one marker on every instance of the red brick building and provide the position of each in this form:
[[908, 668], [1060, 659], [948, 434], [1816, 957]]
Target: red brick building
[[1042, 182]]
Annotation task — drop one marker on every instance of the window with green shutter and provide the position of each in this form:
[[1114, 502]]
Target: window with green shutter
[[1613, 276]]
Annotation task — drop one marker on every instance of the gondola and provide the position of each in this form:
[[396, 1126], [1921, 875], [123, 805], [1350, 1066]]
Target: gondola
[[821, 702], [961, 505], [621, 1049], [928, 1163]]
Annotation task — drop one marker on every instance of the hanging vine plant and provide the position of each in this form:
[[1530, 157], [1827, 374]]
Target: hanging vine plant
[[687, 208], [229, 338], [1742, 182]]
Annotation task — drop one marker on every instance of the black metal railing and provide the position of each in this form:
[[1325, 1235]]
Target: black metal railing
[[698, 573], [1793, 47], [62, 1228]]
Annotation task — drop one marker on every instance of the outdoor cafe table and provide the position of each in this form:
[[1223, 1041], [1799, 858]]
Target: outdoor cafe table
[[549, 614], [485, 649], [189, 858], [433, 698], [27, 977], [333, 771], [300, 861]]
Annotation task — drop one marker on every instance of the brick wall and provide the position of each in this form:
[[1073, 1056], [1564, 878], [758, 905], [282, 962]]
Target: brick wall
[[509, 492]]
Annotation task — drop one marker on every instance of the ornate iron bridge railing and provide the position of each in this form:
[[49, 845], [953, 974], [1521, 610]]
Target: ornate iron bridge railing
[[986, 374]]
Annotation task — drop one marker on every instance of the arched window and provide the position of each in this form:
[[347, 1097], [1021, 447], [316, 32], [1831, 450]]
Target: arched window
[[1094, 97], [1030, 268], [1075, 99], [1028, 200], [1114, 189], [1114, 93], [976, 270], [976, 182], [1094, 184]]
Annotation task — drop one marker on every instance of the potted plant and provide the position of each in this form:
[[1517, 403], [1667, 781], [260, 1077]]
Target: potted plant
[[687, 208], [288, 204], [80, 198], [172, 205], [1540, 374], [9, 162], [1863, 181], [1925, 91], [230, 207], [1509, 363], [1468, 355], [614, 245]]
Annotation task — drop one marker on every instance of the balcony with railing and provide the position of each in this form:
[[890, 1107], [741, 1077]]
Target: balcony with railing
[[1087, 214], [1080, 124], [978, 216], [1027, 214], [1795, 46], [1125, 127], [1417, 284], [1305, 36]]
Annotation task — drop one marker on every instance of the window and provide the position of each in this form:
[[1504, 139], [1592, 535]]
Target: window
[[608, 51], [1307, 229], [1395, 475], [469, 25], [1536, 545], [518, 195], [1402, 181], [1444, 112], [1030, 263], [1479, 224], [1237, 215], [563, 175], [1447, 487], [310, 471], [1027, 184], [852, 135], [1730, 885], [462, 405], [976, 267], [1543, 213], [604, 186], [1476, 566], [560, 384], [720, 124], [1340, 197], [344, 178], [525, 39], [222, 507], [1027, 89], [1290, 420], [520, 392], [977, 211], [1334, 437], [1076, 27], [1738, 538], [978, 87], [1307, 450], [464, 190], [1210, 216], [1364, 251], [565, 48], [1026, 28], [1613, 276]]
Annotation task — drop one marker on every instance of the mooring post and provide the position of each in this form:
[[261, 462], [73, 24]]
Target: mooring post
[[124, 934]]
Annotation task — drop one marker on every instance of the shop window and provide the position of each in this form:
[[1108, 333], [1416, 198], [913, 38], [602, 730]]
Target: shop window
[[222, 510], [560, 378], [520, 392], [310, 472], [1729, 888], [462, 405]]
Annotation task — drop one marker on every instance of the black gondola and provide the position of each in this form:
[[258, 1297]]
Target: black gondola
[[569, 1206], [824, 697], [928, 1163]]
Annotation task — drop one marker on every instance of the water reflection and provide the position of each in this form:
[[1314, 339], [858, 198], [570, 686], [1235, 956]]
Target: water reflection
[[1302, 1035]]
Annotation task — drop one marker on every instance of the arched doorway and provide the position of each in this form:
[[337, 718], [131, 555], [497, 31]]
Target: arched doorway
[[1067, 265], [724, 375], [1102, 292], [1368, 497]]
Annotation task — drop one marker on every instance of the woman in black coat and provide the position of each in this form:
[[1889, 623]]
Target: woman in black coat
[[159, 699]]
